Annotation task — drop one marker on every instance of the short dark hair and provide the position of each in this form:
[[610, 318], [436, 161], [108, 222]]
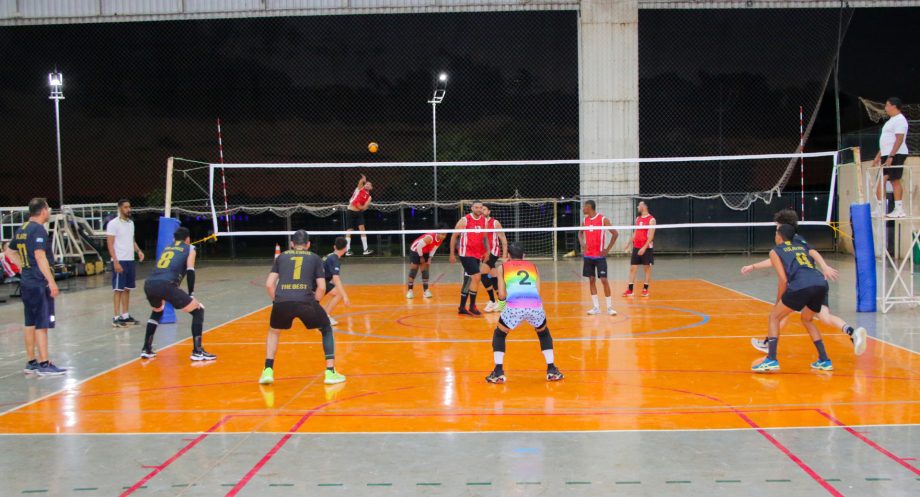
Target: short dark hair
[[592, 203], [787, 216], [897, 102], [301, 237], [181, 234], [37, 205], [123, 201], [786, 231], [340, 243], [516, 250]]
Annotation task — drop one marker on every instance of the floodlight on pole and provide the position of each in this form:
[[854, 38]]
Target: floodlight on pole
[[56, 81], [440, 90]]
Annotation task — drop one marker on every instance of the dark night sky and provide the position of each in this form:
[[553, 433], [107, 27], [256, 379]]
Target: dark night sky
[[319, 88]]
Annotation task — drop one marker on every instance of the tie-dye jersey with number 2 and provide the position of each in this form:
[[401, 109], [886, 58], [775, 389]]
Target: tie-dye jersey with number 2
[[521, 279]]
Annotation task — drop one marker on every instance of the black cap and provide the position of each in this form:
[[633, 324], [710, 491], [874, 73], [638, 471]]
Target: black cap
[[301, 237]]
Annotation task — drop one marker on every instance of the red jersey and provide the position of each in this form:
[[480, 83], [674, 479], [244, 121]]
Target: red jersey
[[642, 234], [595, 239], [471, 243], [494, 243], [359, 198], [428, 248]]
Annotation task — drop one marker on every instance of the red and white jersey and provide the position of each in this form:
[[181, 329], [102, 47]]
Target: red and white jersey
[[494, 242], [642, 234], [359, 198], [471, 243], [428, 248], [595, 239]]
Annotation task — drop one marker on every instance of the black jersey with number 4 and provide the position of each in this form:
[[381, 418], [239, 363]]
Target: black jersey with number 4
[[172, 264], [799, 266], [297, 271]]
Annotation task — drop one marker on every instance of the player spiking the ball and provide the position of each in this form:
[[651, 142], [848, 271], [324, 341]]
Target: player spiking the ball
[[421, 253], [354, 214]]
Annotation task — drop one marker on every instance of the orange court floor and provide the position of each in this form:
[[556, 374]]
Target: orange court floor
[[678, 360]]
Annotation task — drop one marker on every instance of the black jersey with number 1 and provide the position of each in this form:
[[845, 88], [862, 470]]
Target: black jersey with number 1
[[297, 273]]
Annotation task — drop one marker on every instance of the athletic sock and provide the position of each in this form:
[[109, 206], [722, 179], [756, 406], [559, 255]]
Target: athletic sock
[[411, 285], [125, 316], [822, 354], [491, 295], [148, 338], [472, 299], [463, 297], [848, 329], [630, 287], [499, 358], [645, 286], [347, 243], [364, 242], [898, 204], [332, 368], [425, 285], [772, 343], [609, 303], [548, 355], [269, 363], [596, 301]]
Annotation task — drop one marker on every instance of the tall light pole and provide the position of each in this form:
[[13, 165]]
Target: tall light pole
[[440, 90], [56, 80]]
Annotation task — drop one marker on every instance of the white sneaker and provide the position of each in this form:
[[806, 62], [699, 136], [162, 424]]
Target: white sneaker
[[332, 321], [594, 311], [611, 311], [859, 340], [897, 212], [490, 307], [760, 344], [878, 212], [428, 294], [410, 294], [368, 252]]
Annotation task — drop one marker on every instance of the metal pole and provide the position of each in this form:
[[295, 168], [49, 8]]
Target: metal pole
[[434, 153], [57, 124]]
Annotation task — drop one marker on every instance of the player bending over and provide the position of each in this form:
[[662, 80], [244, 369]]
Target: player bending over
[[177, 261], [290, 285], [421, 252], [497, 249], [857, 335], [595, 245], [519, 287], [332, 267], [801, 287], [643, 249], [472, 250]]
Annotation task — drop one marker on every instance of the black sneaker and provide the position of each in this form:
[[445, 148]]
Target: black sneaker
[[496, 376], [130, 321], [202, 355], [553, 374], [31, 367], [119, 323]]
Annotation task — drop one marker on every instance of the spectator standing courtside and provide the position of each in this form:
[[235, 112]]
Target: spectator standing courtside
[[892, 152], [120, 239]]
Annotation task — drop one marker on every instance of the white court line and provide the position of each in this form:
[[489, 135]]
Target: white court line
[[113, 368], [772, 303], [472, 340]]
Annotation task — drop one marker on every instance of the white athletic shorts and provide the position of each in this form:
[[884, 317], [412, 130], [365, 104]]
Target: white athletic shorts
[[511, 317]]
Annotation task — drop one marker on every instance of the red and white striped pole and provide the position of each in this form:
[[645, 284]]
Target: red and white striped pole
[[223, 178], [802, 158]]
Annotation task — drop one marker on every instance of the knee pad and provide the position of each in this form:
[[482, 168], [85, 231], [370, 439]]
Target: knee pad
[[198, 316], [155, 317], [425, 274], [498, 340], [486, 280], [546, 340], [413, 273], [467, 279]]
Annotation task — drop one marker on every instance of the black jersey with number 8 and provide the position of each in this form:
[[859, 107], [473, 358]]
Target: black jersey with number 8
[[172, 263]]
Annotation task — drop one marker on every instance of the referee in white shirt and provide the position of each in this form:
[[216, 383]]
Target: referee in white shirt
[[893, 144], [120, 238]]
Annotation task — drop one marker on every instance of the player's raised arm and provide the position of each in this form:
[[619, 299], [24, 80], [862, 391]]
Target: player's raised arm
[[461, 224], [614, 234], [362, 181]]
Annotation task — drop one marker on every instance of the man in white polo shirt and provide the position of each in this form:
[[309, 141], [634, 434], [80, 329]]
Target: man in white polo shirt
[[120, 238], [892, 151]]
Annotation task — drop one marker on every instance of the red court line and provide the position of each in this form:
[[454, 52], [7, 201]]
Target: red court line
[[900, 460], [785, 450]]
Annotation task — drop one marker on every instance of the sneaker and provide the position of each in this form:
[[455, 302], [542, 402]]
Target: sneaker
[[611, 311], [49, 369], [31, 367], [463, 311], [878, 212], [410, 294], [897, 213], [268, 377], [119, 323], [490, 307], [366, 252], [475, 311], [628, 293], [593, 311], [645, 292], [823, 365], [496, 376], [130, 321], [202, 355], [349, 253], [148, 354], [428, 294], [766, 365], [859, 339], [332, 321], [500, 306], [333, 377], [553, 374], [760, 344]]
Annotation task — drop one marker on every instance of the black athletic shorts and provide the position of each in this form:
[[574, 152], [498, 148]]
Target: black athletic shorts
[[894, 172], [471, 265], [646, 259], [353, 219], [812, 297], [415, 259], [159, 291], [594, 266], [492, 261], [309, 313]]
